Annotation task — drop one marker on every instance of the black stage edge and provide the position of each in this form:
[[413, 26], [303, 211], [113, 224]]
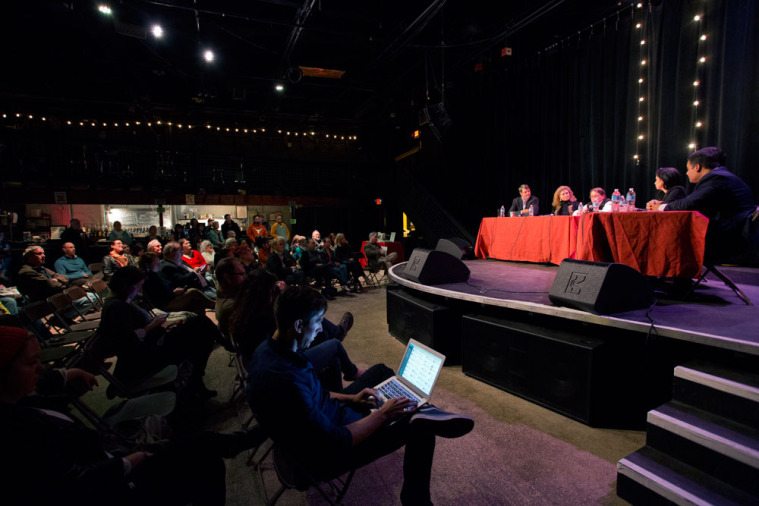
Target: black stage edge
[[601, 370]]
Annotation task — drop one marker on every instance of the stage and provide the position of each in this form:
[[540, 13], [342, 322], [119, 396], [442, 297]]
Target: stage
[[604, 370]]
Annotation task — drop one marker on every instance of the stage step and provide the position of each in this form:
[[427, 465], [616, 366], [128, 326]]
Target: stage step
[[729, 393], [727, 450], [652, 477]]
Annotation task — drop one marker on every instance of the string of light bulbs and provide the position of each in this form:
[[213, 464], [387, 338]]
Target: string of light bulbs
[[180, 126], [641, 20], [697, 121]]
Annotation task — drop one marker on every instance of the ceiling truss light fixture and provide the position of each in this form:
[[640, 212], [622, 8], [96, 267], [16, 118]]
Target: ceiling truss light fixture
[[209, 56], [157, 31]]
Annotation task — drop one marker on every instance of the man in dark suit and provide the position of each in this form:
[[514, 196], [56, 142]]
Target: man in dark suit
[[522, 203], [722, 197]]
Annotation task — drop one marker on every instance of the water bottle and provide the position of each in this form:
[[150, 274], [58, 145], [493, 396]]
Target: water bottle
[[532, 210], [631, 199], [615, 198], [501, 212]]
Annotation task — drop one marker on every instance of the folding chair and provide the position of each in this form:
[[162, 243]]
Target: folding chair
[[96, 267], [100, 288], [40, 319], [292, 476], [75, 293], [725, 279], [64, 306]]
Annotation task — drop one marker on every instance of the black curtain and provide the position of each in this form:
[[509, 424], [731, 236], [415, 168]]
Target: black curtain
[[569, 114]]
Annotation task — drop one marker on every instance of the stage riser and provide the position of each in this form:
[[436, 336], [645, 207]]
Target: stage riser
[[572, 374], [435, 325], [719, 466], [720, 403], [635, 493]]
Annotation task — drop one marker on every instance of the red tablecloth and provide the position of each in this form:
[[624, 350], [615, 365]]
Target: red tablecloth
[[669, 244], [544, 239], [392, 247]]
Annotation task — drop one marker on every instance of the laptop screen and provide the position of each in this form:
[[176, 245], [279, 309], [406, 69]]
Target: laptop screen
[[420, 367]]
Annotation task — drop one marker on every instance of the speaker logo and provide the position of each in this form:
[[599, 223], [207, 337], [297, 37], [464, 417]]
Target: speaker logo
[[574, 285]]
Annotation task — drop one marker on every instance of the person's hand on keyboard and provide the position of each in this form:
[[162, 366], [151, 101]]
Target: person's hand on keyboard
[[395, 408], [367, 396]]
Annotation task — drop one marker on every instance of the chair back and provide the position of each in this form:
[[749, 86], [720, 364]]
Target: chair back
[[96, 267], [75, 293]]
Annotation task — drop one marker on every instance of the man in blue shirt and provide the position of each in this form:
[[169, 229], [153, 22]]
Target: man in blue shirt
[[329, 433], [72, 266]]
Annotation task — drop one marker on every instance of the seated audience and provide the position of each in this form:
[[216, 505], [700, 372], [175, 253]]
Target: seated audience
[[213, 234], [180, 275], [345, 255], [159, 293], [564, 201], [208, 253], [145, 343], [56, 459], [317, 237], [337, 270], [376, 257], [669, 185], [35, 280], [257, 229], [313, 266], [118, 234], [117, 259], [72, 266], [282, 265], [723, 198], [230, 277], [522, 203], [247, 256], [328, 433], [155, 246], [192, 257]]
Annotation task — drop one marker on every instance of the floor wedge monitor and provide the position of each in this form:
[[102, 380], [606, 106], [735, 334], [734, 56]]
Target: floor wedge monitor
[[600, 288]]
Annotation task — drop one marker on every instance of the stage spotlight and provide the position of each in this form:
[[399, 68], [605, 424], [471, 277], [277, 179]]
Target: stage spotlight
[[105, 9], [209, 56], [157, 31], [280, 88]]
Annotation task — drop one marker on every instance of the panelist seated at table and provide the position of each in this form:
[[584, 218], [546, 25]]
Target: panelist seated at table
[[722, 197], [521, 204], [598, 202], [669, 183], [564, 201]]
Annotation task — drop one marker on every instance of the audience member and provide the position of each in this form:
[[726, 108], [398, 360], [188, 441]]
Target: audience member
[[279, 228], [159, 293], [72, 266], [257, 229], [282, 264], [247, 256], [213, 234], [208, 252], [376, 257], [155, 246], [328, 433], [118, 234], [116, 259], [346, 256], [180, 275], [192, 257], [35, 280], [230, 275], [230, 225], [74, 234]]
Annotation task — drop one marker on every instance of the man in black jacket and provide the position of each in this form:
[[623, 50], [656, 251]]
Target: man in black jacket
[[522, 203], [722, 197]]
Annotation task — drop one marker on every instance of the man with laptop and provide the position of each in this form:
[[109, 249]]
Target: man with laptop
[[329, 433]]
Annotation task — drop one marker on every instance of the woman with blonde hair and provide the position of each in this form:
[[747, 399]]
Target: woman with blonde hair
[[564, 201]]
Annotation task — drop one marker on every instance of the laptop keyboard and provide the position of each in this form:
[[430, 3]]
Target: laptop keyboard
[[394, 390]]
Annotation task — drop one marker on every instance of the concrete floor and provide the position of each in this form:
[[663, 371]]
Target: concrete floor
[[534, 428]]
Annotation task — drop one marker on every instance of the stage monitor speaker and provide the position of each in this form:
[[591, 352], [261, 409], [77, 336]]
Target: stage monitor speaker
[[600, 288], [430, 267], [455, 246]]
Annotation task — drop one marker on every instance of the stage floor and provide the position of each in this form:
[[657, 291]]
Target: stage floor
[[713, 315]]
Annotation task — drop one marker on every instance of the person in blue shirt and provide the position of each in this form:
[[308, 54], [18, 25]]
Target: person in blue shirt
[[329, 433], [72, 266]]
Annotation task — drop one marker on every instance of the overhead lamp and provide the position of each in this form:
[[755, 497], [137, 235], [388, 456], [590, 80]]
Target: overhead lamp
[[279, 87], [209, 56], [105, 9], [157, 31]]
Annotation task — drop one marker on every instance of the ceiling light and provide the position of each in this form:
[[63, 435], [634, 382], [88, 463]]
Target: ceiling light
[[279, 87], [157, 31], [208, 56], [105, 9]]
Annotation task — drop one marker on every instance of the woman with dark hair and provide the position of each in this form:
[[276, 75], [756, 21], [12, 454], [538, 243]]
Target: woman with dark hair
[[345, 255], [144, 342], [669, 183], [252, 322], [564, 201]]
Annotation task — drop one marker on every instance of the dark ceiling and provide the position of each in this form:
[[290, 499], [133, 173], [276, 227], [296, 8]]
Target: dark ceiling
[[69, 55]]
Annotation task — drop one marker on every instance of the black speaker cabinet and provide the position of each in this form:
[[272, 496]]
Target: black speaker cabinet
[[600, 288], [559, 370], [430, 267], [432, 324], [455, 246]]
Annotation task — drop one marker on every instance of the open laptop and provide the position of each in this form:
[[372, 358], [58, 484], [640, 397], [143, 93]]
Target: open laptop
[[416, 376]]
